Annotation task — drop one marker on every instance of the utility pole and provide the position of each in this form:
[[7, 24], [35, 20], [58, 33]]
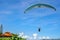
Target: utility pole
[[1, 29]]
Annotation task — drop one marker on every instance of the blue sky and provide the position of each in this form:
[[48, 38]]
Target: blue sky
[[14, 20]]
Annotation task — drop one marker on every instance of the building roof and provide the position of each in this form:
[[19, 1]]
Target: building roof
[[6, 34]]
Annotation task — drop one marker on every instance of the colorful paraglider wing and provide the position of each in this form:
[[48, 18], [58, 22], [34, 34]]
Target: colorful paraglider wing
[[39, 6]]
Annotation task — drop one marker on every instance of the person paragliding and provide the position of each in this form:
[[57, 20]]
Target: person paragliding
[[38, 29], [39, 5]]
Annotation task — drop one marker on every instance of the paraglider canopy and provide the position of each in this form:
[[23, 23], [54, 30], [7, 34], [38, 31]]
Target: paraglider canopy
[[40, 6]]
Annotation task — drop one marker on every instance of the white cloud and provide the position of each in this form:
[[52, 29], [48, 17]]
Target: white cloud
[[35, 35], [44, 37], [25, 36], [48, 37], [21, 34]]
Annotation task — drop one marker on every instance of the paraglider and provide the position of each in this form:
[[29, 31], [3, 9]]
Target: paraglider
[[40, 6]]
